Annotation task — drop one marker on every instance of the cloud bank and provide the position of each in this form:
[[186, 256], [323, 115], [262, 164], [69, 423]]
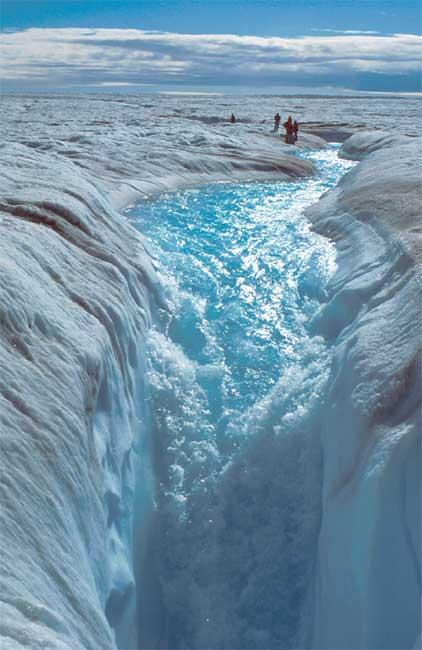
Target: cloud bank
[[61, 58]]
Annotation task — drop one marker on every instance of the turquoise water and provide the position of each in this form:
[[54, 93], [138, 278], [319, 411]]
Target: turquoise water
[[244, 276], [236, 383]]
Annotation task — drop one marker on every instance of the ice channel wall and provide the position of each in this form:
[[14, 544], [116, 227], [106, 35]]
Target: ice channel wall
[[368, 576]]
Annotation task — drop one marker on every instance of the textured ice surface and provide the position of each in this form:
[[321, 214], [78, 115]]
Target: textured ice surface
[[368, 576], [74, 295], [76, 288]]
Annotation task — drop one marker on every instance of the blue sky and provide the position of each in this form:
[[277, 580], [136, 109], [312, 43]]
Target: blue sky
[[353, 44], [246, 17]]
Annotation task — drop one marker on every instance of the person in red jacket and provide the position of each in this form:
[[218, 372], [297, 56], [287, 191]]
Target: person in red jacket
[[288, 125]]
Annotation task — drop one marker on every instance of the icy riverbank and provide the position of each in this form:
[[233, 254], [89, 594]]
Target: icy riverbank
[[76, 289], [368, 574]]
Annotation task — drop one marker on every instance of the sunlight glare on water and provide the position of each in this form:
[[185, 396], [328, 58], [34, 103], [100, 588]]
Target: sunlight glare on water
[[247, 274]]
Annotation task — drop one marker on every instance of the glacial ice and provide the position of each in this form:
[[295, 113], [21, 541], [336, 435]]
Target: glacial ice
[[78, 288], [360, 145], [74, 302], [368, 573]]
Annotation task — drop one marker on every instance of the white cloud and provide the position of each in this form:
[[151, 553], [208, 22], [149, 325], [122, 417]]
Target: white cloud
[[120, 83], [345, 31], [61, 57]]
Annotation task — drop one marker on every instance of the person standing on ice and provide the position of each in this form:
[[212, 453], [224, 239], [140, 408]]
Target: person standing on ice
[[295, 129], [277, 120], [290, 136], [233, 118]]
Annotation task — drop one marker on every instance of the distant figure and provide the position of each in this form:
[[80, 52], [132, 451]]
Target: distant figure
[[233, 118], [295, 129], [277, 120], [290, 134]]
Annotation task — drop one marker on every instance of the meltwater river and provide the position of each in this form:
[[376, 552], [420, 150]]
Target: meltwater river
[[236, 383]]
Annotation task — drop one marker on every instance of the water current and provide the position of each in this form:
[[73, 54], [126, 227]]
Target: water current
[[236, 385]]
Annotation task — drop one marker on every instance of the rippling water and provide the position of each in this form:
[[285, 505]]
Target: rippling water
[[246, 275], [236, 383]]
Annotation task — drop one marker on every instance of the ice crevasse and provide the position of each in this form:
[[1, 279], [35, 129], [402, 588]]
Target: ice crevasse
[[76, 289], [76, 292]]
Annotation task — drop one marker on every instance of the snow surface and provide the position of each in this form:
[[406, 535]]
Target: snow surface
[[77, 288]]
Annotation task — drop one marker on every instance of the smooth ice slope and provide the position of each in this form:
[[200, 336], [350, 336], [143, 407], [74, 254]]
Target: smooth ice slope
[[360, 145], [368, 575]]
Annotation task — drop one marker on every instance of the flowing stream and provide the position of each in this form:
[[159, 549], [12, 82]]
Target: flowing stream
[[236, 385]]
